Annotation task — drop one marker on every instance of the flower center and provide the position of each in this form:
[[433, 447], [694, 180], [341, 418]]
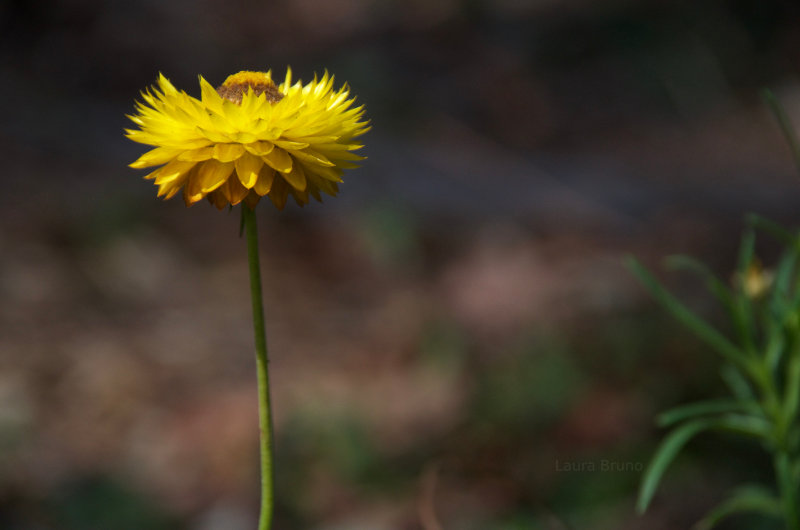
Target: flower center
[[237, 85]]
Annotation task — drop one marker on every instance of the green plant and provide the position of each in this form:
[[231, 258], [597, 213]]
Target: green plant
[[761, 366]]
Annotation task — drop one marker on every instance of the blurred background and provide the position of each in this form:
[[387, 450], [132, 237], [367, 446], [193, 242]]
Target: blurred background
[[455, 342]]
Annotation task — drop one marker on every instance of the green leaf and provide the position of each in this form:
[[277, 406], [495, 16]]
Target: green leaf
[[665, 454], [747, 250], [791, 400], [781, 308], [738, 307], [745, 320], [794, 471], [775, 344], [772, 228], [751, 498], [737, 382], [671, 445], [788, 488], [784, 122], [703, 408], [715, 285], [782, 285], [700, 327], [745, 424]]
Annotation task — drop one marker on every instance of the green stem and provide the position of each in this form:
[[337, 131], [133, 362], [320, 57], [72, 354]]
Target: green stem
[[781, 413], [788, 490], [262, 369]]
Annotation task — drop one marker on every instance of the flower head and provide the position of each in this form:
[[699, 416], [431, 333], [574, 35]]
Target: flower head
[[756, 280], [248, 138]]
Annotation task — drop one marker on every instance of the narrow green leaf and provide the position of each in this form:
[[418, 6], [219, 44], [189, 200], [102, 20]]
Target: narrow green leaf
[[747, 250], [784, 122], [745, 499], [775, 344], [772, 228], [703, 408], [781, 308], [745, 321], [679, 436], [746, 424], [738, 310], [788, 488], [782, 285], [794, 471], [700, 327], [665, 454], [791, 399], [717, 287], [738, 383]]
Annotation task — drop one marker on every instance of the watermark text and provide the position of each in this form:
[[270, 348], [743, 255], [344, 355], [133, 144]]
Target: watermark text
[[599, 466]]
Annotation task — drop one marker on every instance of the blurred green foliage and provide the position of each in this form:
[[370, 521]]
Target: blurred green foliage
[[761, 364], [102, 502]]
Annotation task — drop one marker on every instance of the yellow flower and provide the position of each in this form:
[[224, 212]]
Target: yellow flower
[[248, 138], [757, 281]]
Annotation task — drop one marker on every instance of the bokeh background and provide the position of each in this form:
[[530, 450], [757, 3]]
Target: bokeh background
[[455, 341]]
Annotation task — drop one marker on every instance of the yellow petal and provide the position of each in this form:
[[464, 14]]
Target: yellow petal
[[260, 148], [244, 137], [209, 97], [213, 134], [218, 198], [279, 193], [172, 171], [329, 173], [188, 198], [252, 199], [210, 175], [166, 87], [169, 188], [251, 101], [156, 157], [300, 197], [279, 160], [327, 186], [197, 155], [236, 192], [314, 191], [228, 152], [287, 82], [247, 168], [265, 179], [296, 177], [223, 191], [314, 139], [309, 155], [290, 145]]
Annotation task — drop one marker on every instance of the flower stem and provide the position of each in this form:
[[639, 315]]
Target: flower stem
[[262, 369]]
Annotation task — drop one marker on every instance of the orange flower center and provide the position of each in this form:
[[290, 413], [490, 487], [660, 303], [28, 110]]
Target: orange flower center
[[237, 85]]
